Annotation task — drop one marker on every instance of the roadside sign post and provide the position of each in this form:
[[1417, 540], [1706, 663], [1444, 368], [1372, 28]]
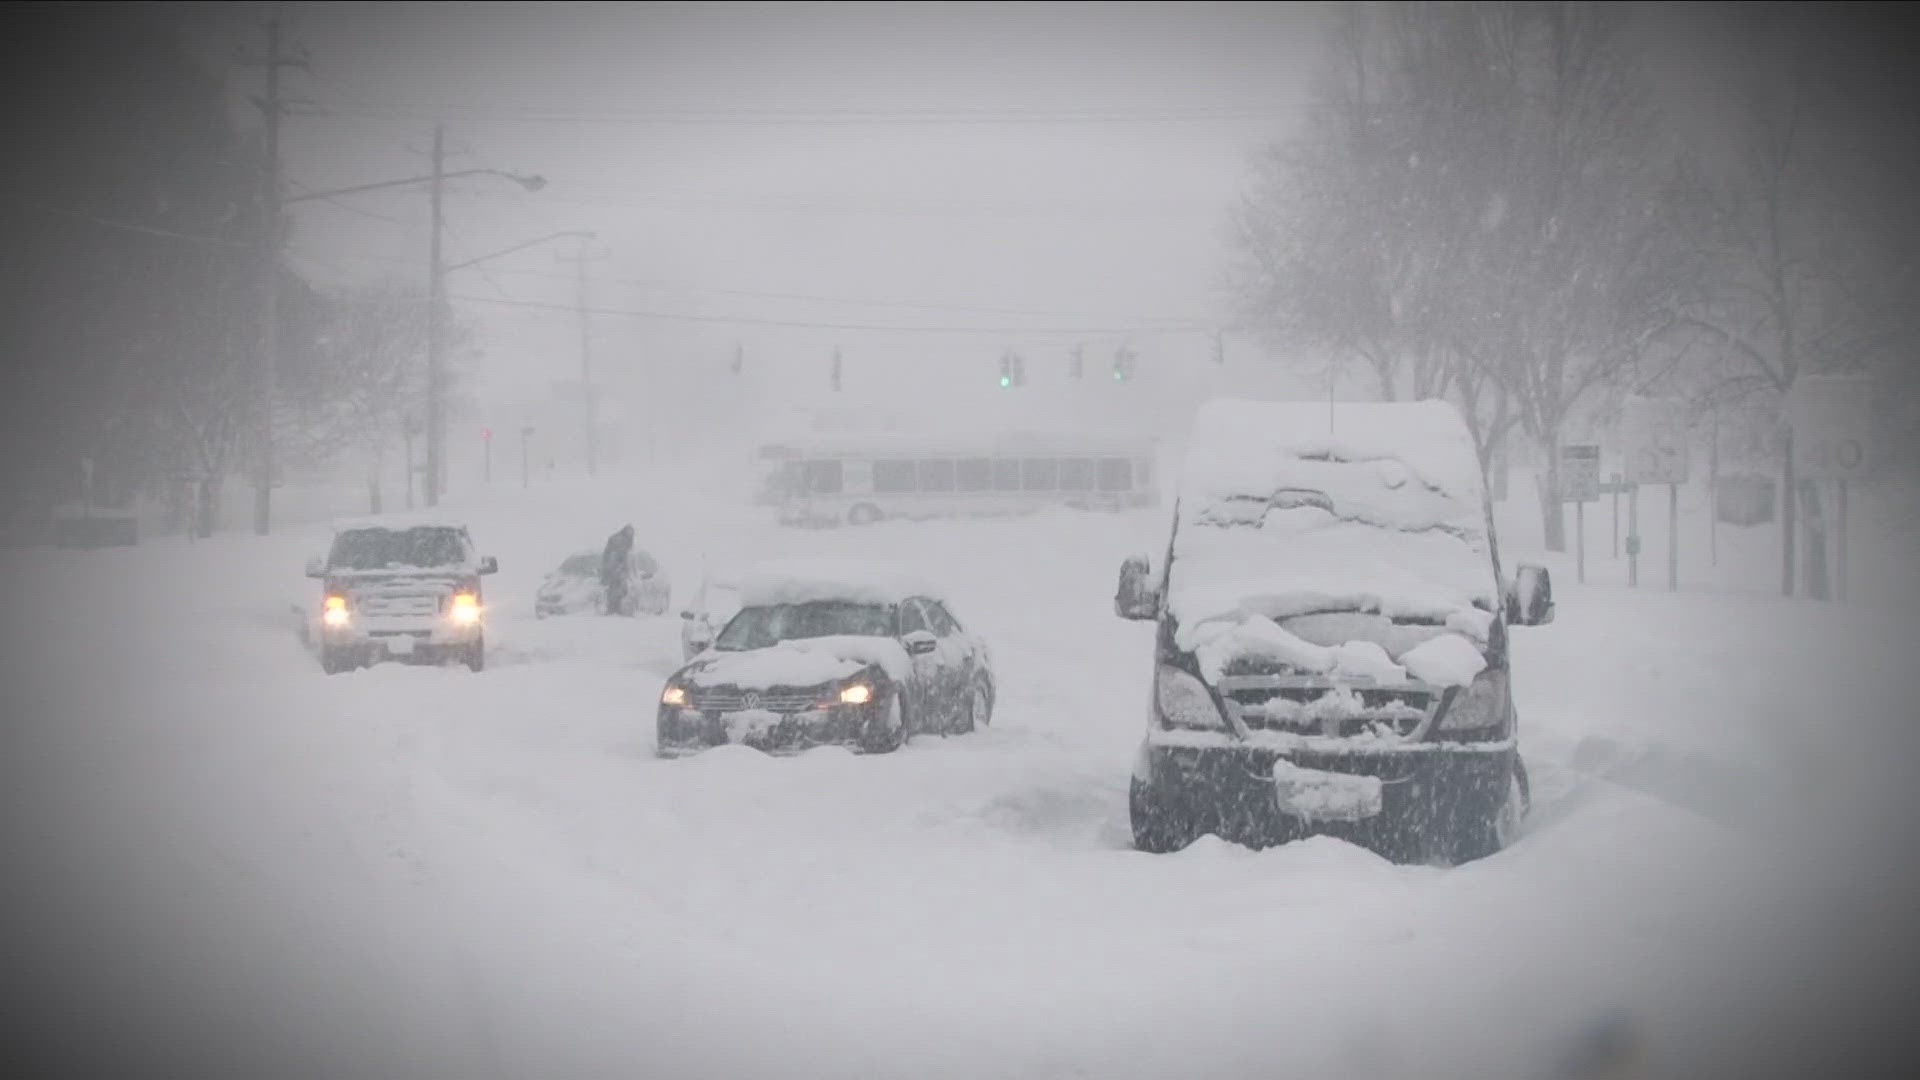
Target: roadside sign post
[[1673, 537], [1618, 485], [486, 447], [1654, 445], [1633, 535], [1580, 484], [526, 433], [1833, 439]]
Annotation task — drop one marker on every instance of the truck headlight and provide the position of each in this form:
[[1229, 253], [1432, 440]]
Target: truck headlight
[[333, 611], [465, 609], [1184, 701], [857, 694]]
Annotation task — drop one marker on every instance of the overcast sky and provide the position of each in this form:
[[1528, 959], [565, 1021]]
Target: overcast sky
[[763, 148]]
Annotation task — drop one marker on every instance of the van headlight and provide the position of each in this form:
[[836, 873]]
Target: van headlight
[[1481, 705], [673, 695], [465, 609], [857, 694], [1184, 701]]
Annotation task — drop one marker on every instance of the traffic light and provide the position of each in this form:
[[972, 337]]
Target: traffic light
[[1219, 348], [1123, 363], [836, 369], [1077, 367], [1006, 370], [1019, 370]]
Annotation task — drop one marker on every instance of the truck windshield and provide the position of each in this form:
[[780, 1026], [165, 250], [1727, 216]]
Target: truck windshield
[[382, 549], [760, 627]]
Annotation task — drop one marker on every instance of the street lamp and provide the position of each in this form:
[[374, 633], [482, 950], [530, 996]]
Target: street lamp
[[436, 290]]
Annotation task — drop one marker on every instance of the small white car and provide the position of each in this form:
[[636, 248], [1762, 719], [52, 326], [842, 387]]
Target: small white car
[[575, 588]]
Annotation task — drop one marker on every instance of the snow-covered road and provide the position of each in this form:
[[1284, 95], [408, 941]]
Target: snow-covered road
[[221, 859]]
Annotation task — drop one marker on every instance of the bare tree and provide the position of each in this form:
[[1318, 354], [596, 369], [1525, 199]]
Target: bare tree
[[1475, 211]]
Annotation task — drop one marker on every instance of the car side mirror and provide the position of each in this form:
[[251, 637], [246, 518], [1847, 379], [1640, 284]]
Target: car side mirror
[[919, 642], [489, 565], [1135, 597], [1530, 597], [316, 567], [686, 614]]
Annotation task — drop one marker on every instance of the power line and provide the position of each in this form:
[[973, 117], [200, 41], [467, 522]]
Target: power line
[[129, 226], [819, 116], [810, 325], [1171, 321]]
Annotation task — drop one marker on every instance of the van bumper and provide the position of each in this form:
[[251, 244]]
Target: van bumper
[[1427, 790]]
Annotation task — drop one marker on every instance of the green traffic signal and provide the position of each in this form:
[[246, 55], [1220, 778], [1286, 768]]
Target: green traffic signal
[[1005, 381]]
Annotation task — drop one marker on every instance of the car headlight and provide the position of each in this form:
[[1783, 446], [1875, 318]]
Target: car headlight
[[465, 609], [857, 694], [673, 695], [1482, 704], [334, 611], [1184, 701]]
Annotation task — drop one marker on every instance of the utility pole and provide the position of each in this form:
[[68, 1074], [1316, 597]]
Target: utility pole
[[586, 355], [269, 329], [436, 333]]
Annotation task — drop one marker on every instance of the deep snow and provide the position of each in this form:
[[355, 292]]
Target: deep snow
[[220, 858]]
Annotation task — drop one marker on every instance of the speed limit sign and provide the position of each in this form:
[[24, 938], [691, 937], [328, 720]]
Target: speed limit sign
[[1653, 441], [1832, 423]]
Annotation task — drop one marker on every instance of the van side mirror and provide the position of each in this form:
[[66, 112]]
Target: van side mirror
[[1530, 596], [1135, 597], [489, 565], [316, 567]]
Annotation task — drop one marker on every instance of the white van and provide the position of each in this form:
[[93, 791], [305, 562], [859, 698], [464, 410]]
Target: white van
[[1332, 647]]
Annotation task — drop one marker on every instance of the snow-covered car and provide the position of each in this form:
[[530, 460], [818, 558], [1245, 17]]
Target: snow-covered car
[[825, 652], [1331, 652], [403, 591], [714, 602], [575, 587]]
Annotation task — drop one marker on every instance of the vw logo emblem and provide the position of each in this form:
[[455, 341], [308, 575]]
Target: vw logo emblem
[[751, 700]]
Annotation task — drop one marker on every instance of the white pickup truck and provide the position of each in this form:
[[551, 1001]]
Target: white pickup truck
[[407, 592]]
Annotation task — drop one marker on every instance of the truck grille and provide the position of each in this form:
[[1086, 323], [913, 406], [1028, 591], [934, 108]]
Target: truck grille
[[724, 700], [1307, 704]]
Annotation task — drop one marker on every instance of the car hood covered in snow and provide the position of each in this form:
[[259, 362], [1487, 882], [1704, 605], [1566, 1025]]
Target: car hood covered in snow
[[799, 662], [571, 592], [1379, 509]]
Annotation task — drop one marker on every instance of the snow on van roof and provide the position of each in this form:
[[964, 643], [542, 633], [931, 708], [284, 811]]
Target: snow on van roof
[[797, 581], [1285, 510]]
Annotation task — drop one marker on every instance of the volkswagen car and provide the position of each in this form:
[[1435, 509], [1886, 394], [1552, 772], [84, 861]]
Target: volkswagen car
[[824, 653]]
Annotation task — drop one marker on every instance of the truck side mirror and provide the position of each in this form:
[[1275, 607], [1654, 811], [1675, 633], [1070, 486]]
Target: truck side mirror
[[1530, 598], [316, 567], [489, 565], [1135, 597]]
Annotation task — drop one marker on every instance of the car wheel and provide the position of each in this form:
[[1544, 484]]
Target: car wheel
[[477, 655], [1160, 824], [1493, 833], [334, 661], [887, 731], [863, 514]]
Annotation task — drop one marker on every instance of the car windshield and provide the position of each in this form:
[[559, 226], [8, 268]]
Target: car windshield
[[381, 549], [587, 562], [760, 627]]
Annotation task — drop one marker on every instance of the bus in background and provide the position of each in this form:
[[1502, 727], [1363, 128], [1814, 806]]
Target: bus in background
[[858, 480]]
